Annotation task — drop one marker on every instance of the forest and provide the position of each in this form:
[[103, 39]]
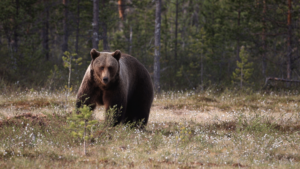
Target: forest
[[225, 75], [199, 43]]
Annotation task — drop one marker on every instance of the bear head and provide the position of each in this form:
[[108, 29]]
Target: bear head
[[105, 67]]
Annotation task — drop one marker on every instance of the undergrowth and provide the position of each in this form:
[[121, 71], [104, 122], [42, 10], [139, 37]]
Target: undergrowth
[[236, 136]]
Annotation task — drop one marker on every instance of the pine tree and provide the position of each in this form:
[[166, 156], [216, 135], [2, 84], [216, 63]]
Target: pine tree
[[157, 46], [68, 59], [244, 68], [82, 125]]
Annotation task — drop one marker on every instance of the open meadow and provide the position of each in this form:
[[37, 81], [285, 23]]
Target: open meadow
[[186, 130]]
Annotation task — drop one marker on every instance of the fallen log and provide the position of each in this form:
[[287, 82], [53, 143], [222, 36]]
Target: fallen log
[[279, 79]]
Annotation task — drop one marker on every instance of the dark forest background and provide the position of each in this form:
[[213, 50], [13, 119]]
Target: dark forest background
[[202, 43]]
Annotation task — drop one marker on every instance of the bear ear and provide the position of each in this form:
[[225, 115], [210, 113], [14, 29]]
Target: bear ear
[[117, 54], [94, 54]]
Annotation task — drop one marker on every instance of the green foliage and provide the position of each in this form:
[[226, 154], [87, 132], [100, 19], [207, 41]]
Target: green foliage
[[55, 75], [244, 69], [68, 59], [111, 115], [82, 124], [209, 36]]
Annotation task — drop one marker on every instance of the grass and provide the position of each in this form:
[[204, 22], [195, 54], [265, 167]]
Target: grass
[[185, 130]]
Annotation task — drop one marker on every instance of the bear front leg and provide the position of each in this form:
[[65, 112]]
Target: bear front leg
[[118, 104], [88, 95], [88, 100]]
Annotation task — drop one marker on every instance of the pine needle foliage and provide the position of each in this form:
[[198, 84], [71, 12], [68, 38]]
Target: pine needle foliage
[[68, 59], [82, 124], [244, 69]]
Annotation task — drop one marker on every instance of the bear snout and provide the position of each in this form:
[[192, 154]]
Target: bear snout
[[105, 80]]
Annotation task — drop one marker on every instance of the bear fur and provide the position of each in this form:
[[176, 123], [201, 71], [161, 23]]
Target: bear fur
[[117, 79]]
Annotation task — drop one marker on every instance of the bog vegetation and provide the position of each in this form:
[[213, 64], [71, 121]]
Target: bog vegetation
[[185, 130]]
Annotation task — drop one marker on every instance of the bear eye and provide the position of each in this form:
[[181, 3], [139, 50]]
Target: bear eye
[[101, 68], [109, 68]]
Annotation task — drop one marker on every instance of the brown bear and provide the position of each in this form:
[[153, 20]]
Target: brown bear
[[117, 79]]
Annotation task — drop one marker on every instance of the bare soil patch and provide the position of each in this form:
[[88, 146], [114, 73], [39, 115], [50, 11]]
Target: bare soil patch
[[23, 119]]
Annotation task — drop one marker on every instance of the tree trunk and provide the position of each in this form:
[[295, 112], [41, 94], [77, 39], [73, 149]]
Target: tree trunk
[[238, 38], [264, 63], [121, 13], [176, 27], [157, 46], [166, 49], [77, 27], [130, 40], [242, 71], [289, 48], [95, 24], [65, 25], [15, 29], [84, 140], [104, 30], [202, 68], [121, 9], [8, 37], [45, 33]]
